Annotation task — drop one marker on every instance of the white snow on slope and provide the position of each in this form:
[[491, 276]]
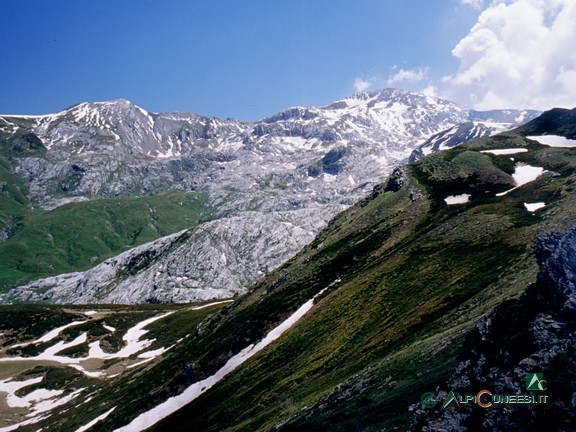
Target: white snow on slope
[[522, 175], [505, 151], [553, 140], [61, 346], [24, 423], [96, 420], [11, 387], [132, 339], [133, 344], [532, 207], [153, 416], [31, 398], [457, 199], [37, 402], [526, 173], [212, 304], [109, 328], [50, 335]]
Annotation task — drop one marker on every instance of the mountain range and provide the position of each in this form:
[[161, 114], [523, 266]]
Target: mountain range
[[107, 203], [446, 288]]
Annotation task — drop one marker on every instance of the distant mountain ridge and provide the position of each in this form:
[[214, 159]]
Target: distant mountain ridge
[[290, 173]]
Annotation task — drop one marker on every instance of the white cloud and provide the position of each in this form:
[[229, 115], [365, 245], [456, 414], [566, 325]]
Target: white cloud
[[361, 84], [519, 54], [476, 4], [408, 75], [430, 90]]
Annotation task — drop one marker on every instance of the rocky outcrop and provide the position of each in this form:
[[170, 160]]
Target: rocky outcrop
[[397, 180], [557, 278], [533, 334]]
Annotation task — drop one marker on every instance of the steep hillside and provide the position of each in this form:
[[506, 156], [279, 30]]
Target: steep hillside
[[557, 121], [532, 334], [349, 333], [75, 236]]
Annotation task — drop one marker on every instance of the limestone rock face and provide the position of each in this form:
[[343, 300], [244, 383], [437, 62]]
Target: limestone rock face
[[271, 185], [216, 260], [397, 180]]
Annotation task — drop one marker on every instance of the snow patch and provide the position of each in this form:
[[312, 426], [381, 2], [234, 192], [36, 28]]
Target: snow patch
[[457, 199], [10, 387], [523, 174], [24, 423], [212, 304], [132, 339], [553, 140], [109, 328], [505, 151], [532, 207], [96, 420], [32, 398], [153, 416], [50, 335], [61, 346], [37, 401], [87, 373]]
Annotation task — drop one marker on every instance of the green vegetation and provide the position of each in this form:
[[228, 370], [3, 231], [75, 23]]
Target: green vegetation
[[415, 278], [77, 236], [24, 323], [14, 203], [407, 278], [13, 200]]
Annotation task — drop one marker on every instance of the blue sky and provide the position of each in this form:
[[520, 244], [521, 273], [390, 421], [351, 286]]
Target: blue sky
[[249, 59]]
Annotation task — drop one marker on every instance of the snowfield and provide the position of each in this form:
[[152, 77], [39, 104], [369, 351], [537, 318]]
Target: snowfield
[[34, 404], [132, 339], [553, 140]]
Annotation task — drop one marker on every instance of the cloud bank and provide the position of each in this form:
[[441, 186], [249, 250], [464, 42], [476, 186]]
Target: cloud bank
[[362, 84], [519, 54], [410, 79], [408, 75]]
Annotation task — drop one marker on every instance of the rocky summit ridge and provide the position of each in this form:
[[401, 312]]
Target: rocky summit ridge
[[271, 185]]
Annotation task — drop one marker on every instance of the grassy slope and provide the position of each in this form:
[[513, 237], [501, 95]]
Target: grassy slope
[[14, 204], [13, 201], [414, 281], [77, 236]]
